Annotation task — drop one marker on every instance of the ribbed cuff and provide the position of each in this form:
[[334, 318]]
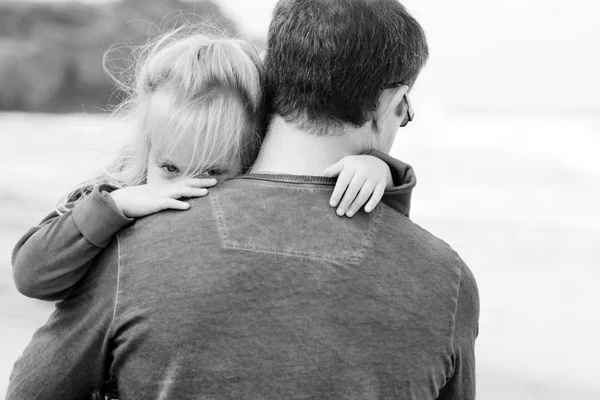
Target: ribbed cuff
[[402, 173], [98, 218]]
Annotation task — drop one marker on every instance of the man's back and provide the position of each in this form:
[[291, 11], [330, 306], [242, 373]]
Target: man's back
[[261, 291]]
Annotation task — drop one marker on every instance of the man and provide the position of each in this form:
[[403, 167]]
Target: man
[[260, 290]]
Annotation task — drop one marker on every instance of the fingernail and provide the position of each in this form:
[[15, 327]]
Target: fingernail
[[332, 203], [340, 212], [368, 209]]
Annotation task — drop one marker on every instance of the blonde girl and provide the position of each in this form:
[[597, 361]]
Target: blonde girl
[[196, 106]]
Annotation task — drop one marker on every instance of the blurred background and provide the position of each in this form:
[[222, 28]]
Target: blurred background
[[505, 146]]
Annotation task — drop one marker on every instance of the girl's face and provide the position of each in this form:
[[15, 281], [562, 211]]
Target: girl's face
[[162, 169]]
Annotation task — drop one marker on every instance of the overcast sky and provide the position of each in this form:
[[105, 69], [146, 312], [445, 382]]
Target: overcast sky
[[529, 56]]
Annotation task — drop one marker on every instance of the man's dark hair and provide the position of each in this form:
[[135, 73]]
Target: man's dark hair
[[328, 60]]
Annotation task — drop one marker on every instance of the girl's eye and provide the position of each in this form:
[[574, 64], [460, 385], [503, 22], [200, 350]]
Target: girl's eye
[[170, 168], [214, 171]]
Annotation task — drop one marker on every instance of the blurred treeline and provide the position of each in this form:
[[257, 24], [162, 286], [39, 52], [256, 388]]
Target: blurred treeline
[[51, 54]]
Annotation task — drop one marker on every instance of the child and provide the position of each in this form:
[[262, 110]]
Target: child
[[197, 104]]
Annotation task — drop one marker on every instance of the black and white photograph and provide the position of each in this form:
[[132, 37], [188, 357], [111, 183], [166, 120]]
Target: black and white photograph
[[299, 199]]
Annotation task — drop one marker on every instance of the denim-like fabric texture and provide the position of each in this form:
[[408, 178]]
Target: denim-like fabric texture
[[261, 291]]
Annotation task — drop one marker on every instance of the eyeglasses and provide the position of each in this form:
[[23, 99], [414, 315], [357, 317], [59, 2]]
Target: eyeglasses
[[410, 113]]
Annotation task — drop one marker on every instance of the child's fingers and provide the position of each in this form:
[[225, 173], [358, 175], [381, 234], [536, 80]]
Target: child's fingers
[[363, 195], [350, 194], [334, 170], [340, 187], [188, 192], [172, 204], [199, 182], [375, 197]]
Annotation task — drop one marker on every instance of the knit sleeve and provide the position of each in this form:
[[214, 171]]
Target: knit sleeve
[[51, 257]]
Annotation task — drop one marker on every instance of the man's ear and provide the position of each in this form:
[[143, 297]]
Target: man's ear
[[389, 111]]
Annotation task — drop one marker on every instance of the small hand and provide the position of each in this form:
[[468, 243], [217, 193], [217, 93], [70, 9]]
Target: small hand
[[139, 201], [360, 178]]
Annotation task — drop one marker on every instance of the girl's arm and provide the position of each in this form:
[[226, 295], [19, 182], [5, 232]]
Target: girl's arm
[[51, 257], [366, 179]]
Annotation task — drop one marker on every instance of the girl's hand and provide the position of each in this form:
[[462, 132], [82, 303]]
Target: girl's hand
[[360, 178], [139, 201]]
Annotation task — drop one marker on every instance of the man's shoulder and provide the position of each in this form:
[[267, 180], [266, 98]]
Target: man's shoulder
[[400, 228], [448, 259], [409, 241]]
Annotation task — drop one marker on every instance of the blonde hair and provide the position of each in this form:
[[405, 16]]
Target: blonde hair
[[188, 85]]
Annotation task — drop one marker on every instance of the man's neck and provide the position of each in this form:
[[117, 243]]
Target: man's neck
[[293, 151]]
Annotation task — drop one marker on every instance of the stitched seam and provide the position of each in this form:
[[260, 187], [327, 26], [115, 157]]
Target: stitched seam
[[283, 178], [298, 186], [301, 254], [112, 323], [455, 311], [228, 243], [214, 200], [367, 242]]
